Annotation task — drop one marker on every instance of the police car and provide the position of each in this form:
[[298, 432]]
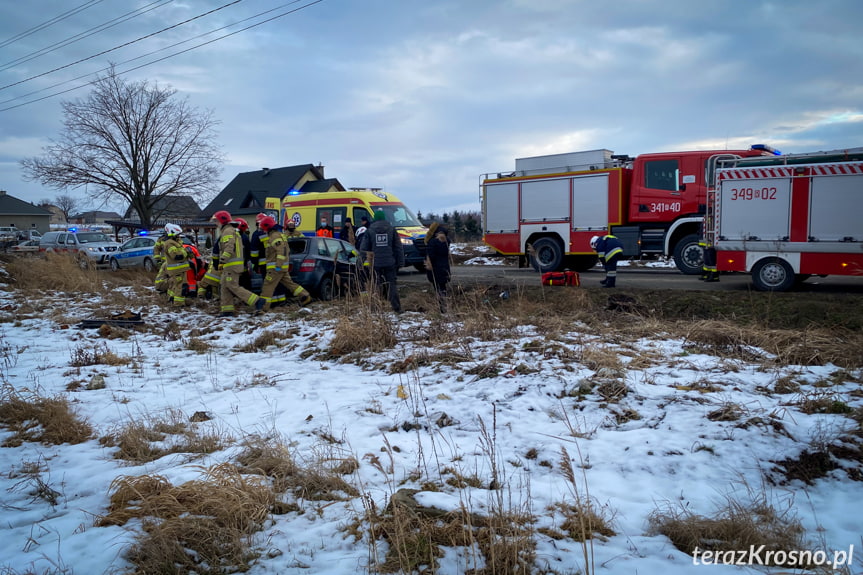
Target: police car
[[135, 252]]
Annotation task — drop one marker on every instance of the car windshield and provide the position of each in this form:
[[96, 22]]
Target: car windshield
[[399, 215], [91, 237]]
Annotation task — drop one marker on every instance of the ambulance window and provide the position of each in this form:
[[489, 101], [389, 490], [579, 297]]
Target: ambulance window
[[661, 175], [358, 216]]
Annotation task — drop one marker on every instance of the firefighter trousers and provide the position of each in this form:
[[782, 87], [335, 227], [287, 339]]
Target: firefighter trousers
[[231, 292], [273, 279]]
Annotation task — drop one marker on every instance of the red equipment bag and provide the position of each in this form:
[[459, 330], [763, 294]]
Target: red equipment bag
[[564, 278]]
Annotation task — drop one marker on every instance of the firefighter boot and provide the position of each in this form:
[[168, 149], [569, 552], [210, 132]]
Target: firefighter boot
[[208, 292], [259, 306], [609, 282], [603, 282], [712, 277]]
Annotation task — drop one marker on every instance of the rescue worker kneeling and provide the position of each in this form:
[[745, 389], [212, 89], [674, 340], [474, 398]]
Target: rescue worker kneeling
[[176, 264], [278, 259], [609, 249]]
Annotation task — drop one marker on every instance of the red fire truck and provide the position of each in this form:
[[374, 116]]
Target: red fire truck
[[786, 218], [548, 208]]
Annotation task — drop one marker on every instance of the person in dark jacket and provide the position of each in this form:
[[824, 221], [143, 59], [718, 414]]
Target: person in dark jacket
[[385, 255], [609, 249], [437, 262], [348, 232]]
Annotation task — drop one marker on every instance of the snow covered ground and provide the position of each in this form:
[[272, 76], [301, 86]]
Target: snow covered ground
[[653, 444]]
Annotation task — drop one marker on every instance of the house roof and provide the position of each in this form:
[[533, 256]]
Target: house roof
[[12, 206], [245, 194], [321, 186], [171, 206], [95, 214]]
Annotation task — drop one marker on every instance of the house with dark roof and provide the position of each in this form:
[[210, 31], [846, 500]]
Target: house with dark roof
[[93, 217], [169, 209], [245, 195], [23, 215]]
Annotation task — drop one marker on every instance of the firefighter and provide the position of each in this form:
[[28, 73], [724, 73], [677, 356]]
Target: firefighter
[[243, 231], [159, 258], [231, 261], [291, 230], [176, 264], [256, 246], [278, 260], [609, 249], [709, 273]]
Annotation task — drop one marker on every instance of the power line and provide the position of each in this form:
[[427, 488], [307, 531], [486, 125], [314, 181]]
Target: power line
[[120, 46], [174, 45], [48, 23], [85, 34], [164, 58]]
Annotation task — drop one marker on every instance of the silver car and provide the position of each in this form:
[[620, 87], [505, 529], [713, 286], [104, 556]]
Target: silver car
[[134, 253]]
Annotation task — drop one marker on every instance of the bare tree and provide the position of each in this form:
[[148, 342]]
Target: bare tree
[[67, 205], [133, 140]]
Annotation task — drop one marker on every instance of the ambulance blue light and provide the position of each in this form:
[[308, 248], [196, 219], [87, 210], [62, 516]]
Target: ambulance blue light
[[293, 192]]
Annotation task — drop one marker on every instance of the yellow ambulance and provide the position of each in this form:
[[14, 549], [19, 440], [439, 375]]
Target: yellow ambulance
[[313, 210]]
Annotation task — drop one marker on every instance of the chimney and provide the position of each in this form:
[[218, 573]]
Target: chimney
[[2, 192], [321, 169], [266, 171]]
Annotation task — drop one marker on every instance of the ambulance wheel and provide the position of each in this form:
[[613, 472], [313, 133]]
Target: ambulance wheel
[[548, 255], [772, 274], [688, 255]]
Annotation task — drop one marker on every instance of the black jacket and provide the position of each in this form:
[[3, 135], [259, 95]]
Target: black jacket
[[438, 254], [383, 239]]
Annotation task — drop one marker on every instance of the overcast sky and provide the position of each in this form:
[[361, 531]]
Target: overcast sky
[[420, 97]]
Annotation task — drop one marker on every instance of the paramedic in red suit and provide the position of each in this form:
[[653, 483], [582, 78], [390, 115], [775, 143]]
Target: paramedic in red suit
[[609, 250]]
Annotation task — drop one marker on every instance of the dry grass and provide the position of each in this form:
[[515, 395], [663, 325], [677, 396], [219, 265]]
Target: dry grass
[[499, 543], [88, 354], [203, 527], [363, 328], [735, 525], [41, 419], [148, 438]]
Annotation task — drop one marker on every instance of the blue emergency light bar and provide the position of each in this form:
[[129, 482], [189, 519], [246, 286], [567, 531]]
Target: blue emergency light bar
[[766, 148]]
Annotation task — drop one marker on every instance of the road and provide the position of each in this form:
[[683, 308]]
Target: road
[[632, 277]]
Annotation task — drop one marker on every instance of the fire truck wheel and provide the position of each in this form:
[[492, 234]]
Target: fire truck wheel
[[772, 274], [688, 255], [548, 255]]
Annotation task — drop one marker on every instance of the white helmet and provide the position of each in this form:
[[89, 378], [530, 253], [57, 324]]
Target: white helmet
[[173, 229], [593, 241]]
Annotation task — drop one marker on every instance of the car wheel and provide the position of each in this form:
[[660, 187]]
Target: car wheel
[[688, 255], [772, 274], [84, 263], [149, 265], [115, 265], [325, 290], [547, 255]]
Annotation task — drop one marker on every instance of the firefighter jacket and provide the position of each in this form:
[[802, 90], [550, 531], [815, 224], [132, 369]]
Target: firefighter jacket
[[231, 254], [257, 249], [159, 249], [278, 253], [384, 242], [607, 247], [293, 233], [176, 256]]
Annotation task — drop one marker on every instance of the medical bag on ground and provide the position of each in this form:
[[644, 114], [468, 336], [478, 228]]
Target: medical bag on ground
[[564, 278]]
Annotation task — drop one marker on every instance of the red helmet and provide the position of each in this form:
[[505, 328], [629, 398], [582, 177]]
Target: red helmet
[[222, 217], [241, 224], [267, 223], [260, 217]]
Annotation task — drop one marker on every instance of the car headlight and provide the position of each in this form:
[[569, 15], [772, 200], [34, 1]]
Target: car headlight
[[408, 241]]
